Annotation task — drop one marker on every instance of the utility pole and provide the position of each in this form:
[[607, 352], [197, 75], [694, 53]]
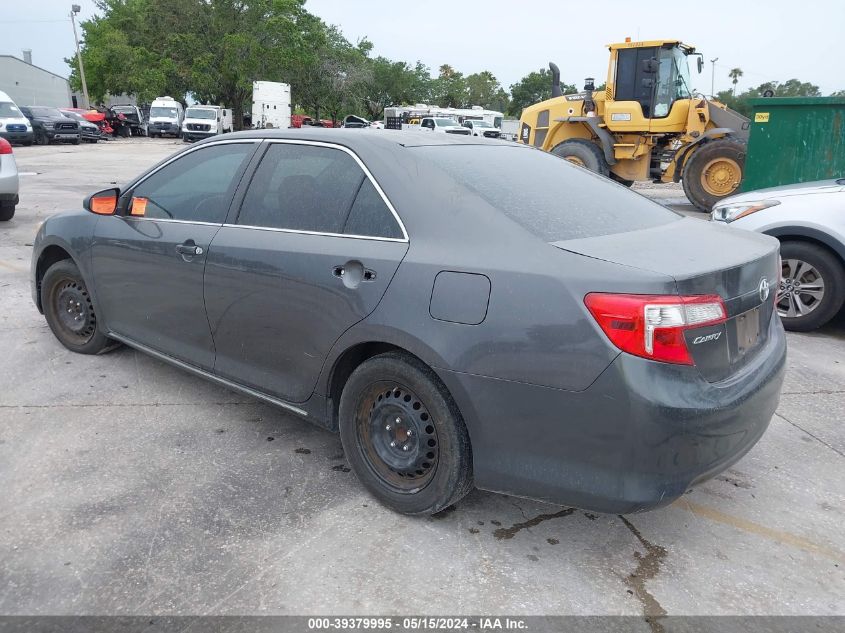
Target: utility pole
[[74, 9], [713, 77]]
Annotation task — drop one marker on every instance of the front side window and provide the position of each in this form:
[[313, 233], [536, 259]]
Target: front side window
[[673, 80], [302, 188], [197, 187]]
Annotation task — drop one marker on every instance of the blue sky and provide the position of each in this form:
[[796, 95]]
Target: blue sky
[[773, 40]]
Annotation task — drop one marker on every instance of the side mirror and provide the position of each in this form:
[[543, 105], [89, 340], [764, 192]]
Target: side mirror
[[103, 202], [650, 66], [700, 64]]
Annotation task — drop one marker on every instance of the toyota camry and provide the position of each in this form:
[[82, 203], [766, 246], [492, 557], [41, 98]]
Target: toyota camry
[[464, 312]]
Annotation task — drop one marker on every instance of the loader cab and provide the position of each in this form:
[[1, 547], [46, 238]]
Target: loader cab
[[656, 76]]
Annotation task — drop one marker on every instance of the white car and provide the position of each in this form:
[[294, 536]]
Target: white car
[[482, 128], [443, 125], [809, 221], [8, 181]]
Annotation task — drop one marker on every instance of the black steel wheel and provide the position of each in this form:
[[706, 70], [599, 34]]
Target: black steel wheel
[[69, 310], [404, 436], [399, 441]]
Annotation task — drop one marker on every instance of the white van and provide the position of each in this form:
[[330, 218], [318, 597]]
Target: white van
[[166, 116], [14, 126], [202, 121]]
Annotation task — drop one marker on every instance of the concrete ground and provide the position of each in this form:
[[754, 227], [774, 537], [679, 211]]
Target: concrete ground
[[130, 487]]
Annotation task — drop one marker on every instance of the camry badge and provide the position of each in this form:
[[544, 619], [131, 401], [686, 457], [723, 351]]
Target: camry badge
[[763, 289]]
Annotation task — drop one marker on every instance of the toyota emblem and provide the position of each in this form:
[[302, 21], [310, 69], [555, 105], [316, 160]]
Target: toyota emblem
[[763, 289]]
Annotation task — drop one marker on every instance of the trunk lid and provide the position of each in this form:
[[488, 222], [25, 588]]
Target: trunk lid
[[742, 267]]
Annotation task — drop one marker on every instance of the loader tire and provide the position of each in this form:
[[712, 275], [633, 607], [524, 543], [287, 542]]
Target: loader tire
[[714, 171], [583, 153]]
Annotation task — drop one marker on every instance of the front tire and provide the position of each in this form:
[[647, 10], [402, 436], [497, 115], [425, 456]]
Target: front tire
[[714, 171], [41, 138], [812, 287], [403, 435], [69, 310], [583, 153]]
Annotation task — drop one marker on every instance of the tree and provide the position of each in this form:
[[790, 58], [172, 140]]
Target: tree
[[484, 90], [394, 83], [450, 89], [735, 74], [534, 87], [789, 88]]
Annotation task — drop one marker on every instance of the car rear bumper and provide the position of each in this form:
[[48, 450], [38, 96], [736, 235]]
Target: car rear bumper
[[18, 137], [8, 178], [636, 439]]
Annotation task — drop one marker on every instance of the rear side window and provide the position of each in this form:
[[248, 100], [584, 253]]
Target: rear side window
[[303, 188], [549, 197], [370, 216]]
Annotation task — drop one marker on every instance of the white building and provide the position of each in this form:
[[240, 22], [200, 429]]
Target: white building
[[27, 84]]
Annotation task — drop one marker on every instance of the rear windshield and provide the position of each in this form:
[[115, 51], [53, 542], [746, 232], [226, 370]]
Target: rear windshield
[[544, 194]]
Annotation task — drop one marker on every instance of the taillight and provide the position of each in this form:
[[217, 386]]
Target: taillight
[[5, 146], [652, 326]]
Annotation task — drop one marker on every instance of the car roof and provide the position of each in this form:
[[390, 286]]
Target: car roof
[[361, 138]]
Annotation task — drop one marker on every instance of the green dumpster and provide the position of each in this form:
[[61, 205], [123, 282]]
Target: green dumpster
[[795, 139]]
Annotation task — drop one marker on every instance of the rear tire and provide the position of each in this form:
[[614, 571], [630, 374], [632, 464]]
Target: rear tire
[[69, 310], [818, 290], [7, 210], [583, 153], [714, 171], [403, 435]]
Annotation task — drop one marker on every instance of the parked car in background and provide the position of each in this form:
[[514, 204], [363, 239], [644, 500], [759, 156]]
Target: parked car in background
[[8, 181], [809, 221], [202, 121], [50, 125], [134, 118], [166, 116], [89, 132], [482, 128], [442, 125], [353, 121], [501, 318], [14, 126], [377, 125]]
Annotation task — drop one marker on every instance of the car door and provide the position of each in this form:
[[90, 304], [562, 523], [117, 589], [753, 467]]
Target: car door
[[148, 261], [311, 252]]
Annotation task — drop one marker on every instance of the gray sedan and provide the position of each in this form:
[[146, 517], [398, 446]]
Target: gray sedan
[[809, 221], [464, 312]]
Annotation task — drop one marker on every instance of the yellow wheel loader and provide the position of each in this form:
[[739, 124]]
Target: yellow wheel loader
[[646, 125]]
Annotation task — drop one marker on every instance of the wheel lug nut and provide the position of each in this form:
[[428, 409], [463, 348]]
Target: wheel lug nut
[[405, 448], [393, 444], [398, 420], [410, 432], [387, 427]]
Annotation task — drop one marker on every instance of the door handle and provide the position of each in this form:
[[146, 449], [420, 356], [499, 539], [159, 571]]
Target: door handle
[[352, 273], [189, 248]]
